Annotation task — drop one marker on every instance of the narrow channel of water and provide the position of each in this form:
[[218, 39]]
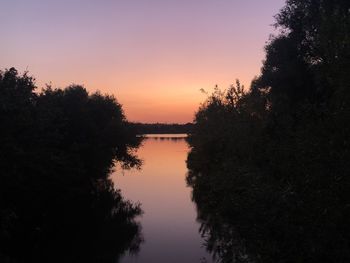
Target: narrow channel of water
[[169, 222]]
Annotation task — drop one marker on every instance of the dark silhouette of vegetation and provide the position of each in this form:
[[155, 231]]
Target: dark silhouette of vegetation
[[162, 128], [57, 149], [269, 167], [174, 139]]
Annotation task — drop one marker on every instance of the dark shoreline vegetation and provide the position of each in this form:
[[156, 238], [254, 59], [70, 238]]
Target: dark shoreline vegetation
[[162, 128], [57, 202], [269, 167]]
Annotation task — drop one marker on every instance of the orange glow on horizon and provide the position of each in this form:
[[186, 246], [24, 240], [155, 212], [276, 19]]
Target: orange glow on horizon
[[153, 56], [176, 101]]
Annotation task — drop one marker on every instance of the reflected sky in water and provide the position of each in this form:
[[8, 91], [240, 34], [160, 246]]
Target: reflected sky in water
[[169, 222]]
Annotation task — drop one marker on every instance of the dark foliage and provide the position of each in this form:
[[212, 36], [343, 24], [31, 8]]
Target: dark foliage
[[57, 148], [162, 128], [269, 167]]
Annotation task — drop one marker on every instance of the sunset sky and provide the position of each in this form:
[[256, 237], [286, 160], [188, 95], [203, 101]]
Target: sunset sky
[[153, 55]]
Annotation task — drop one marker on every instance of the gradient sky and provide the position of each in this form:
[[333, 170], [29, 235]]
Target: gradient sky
[[153, 55]]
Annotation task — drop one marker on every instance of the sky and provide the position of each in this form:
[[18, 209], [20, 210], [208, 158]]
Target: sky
[[154, 56]]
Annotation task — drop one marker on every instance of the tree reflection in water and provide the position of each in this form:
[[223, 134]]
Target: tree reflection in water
[[217, 229]]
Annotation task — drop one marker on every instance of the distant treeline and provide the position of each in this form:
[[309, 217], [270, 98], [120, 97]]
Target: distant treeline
[[57, 149], [270, 167], [162, 128]]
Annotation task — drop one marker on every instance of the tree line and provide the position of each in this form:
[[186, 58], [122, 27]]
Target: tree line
[[162, 128], [269, 166], [57, 149]]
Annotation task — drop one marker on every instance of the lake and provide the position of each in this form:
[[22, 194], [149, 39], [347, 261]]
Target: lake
[[169, 225]]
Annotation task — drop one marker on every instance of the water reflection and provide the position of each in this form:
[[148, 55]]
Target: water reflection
[[72, 224], [214, 214], [244, 219], [169, 222]]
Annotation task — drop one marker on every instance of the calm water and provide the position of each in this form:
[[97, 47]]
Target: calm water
[[169, 222]]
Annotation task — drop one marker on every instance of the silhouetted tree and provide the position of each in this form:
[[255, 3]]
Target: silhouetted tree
[[269, 167], [57, 149]]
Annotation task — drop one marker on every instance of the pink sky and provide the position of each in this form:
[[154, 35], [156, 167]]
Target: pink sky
[[153, 55]]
